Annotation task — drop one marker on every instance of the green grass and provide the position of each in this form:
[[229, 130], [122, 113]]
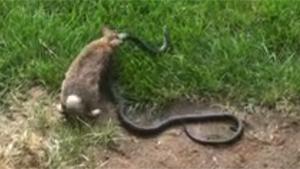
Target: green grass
[[235, 50], [241, 51]]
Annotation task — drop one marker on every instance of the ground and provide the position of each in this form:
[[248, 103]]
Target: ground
[[271, 140], [238, 56]]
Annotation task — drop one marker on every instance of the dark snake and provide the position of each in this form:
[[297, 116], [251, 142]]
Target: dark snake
[[176, 119]]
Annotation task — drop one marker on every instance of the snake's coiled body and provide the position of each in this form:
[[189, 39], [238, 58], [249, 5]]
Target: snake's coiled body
[[178, 120], [173, 120]]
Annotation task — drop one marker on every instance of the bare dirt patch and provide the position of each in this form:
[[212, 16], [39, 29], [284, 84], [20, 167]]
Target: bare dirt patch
[[21, 145], [271, 140]]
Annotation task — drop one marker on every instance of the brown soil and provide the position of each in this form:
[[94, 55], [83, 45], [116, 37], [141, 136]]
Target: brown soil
[[271, 140]]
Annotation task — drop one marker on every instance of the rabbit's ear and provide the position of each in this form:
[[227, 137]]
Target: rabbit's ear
[[106, 31]]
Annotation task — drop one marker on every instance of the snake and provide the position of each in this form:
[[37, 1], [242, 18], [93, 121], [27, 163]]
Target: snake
[[175, 119]]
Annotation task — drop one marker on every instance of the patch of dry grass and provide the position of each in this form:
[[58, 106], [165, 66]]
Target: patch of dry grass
[[33, 135]]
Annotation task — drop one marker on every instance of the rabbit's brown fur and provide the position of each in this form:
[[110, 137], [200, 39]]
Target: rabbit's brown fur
[[80, 92]]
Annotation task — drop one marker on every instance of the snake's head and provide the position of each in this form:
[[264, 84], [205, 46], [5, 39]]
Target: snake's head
[[123, 35]]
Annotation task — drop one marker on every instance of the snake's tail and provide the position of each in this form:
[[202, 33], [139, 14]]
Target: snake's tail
[[166, 42]]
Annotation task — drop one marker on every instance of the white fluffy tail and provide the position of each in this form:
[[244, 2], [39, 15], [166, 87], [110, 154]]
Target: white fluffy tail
[[73, 102]]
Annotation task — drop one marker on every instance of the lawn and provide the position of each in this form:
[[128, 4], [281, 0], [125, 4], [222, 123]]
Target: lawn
[[241, 51]]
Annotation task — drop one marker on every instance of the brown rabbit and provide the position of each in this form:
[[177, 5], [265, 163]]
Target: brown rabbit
[[80, 92]]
